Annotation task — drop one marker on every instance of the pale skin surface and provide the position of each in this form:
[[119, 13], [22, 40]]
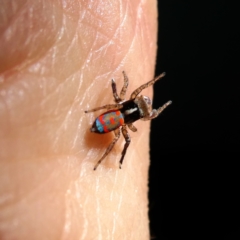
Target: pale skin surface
[[57, 59]]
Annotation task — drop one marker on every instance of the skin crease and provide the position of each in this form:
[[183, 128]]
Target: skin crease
[[57, 59]]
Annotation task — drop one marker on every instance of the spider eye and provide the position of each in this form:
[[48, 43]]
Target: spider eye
[[147, 100]]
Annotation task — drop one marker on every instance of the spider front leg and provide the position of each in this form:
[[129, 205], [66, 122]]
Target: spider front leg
[[126, 145], [156, 112], [108, 107], [118, 99], [148, 84], [110, 147]]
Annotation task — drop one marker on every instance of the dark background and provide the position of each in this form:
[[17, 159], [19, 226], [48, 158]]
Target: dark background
[[195, 143]]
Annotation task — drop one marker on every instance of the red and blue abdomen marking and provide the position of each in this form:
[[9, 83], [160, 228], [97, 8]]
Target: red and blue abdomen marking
[[108, 122]]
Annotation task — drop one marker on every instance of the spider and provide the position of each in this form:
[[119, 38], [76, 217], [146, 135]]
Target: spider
[[122, 115]]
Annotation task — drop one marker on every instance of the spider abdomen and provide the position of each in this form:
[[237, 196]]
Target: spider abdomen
[[108, 122]]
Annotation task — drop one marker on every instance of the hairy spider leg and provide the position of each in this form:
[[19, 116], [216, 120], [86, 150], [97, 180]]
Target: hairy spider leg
[[125, 85], [118, 99], [126, 145], [108, 107], [132, 127], [159, 110], [148, 84], [156, 112], [110, 147]]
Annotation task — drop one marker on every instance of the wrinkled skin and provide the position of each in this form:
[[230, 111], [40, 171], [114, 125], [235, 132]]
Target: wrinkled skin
[[57, 59]]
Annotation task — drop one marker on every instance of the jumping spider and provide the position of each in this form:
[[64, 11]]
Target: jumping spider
[[124, 113]]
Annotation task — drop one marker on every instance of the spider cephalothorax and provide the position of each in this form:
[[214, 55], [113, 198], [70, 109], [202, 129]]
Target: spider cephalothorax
[[144, 105], [124, 113]]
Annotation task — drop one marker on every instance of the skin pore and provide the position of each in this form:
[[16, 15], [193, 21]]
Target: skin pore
[[57, 59]]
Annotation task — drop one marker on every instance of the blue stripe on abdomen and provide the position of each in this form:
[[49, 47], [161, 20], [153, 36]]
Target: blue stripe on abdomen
[[99, 126]]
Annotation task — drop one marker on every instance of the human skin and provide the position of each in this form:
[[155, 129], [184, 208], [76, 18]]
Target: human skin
[[57, 59]]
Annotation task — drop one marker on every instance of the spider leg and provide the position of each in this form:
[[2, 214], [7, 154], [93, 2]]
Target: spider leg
[[125, 85], [117, 99], [156, 112], [123, 91], [132, 127], [127, 143], [108, 107], [148, 84], [109, 148]]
